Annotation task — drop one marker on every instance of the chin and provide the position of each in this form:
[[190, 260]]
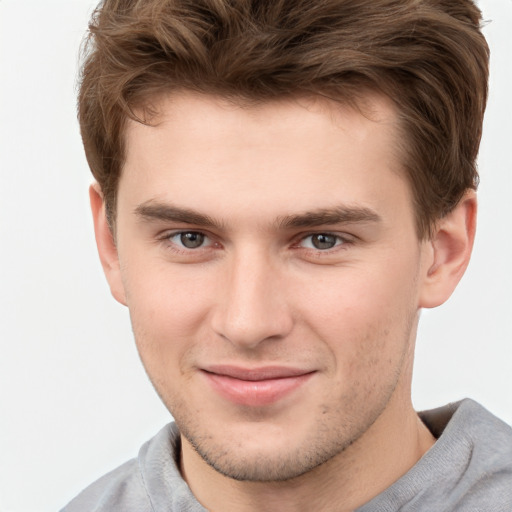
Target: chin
[[266, 453], [264, 465]]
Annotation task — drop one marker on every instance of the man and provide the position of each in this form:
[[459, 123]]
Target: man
[[281, 188]]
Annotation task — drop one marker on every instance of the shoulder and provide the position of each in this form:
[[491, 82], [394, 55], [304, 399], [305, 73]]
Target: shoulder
[[121, 489], [486, 481], [469, 468], [149, 483], [471, 463], [467, 427]]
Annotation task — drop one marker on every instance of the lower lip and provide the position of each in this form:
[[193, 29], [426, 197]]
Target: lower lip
[[255, 393]]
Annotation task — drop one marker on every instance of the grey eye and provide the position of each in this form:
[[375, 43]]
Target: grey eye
[[323, 241], [191, 239]]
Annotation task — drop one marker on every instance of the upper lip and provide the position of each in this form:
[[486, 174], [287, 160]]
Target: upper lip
[[255, 374]]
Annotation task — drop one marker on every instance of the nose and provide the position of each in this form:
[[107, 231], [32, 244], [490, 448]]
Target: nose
[[252, 306]]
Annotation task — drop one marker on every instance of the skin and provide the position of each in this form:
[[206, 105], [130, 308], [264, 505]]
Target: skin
[[251, 190]]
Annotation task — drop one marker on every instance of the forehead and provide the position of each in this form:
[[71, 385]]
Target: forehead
[[273, 156], [195, 111]]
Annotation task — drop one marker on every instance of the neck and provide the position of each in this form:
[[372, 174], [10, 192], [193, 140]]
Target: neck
[[385, 452]]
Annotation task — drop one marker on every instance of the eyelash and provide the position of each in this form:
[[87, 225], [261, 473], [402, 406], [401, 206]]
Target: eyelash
[[167, 239], [341, 242]]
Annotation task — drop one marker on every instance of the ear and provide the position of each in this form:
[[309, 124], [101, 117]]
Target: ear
[[449, 252], [106, 245]]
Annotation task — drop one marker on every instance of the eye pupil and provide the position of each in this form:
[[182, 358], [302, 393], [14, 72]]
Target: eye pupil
[[323, 241], [191, 240]]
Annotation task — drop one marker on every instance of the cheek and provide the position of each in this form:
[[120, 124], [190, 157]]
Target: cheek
[[159, 293], [364, 316], [167, 309], [366, 327], [360, 297]]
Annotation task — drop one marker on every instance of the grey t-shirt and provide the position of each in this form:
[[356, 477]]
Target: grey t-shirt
[[469, 469]]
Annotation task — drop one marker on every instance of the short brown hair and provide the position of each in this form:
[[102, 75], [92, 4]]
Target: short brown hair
[[428, 56]]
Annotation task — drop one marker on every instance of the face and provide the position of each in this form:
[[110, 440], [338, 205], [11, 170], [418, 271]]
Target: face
[[269, 260]]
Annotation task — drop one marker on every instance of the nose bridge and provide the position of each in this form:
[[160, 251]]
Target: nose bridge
[[253, 306]]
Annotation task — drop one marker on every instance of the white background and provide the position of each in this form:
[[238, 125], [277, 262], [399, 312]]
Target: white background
[[74, 400]]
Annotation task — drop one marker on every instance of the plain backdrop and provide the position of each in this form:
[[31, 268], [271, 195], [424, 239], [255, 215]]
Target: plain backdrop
[[74, 399]]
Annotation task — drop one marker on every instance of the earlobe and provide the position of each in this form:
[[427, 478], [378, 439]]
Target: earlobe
[[107, 249], [450, 251]]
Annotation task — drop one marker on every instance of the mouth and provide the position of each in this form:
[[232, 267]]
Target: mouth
[[255, 387]]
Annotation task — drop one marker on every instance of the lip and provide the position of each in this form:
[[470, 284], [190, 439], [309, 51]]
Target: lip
[[255, 387]]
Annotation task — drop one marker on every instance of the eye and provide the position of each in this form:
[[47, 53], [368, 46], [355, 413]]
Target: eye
[[189, 239], [321, 241]]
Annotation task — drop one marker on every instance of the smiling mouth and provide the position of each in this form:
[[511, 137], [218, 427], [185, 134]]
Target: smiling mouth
[[255, 387]]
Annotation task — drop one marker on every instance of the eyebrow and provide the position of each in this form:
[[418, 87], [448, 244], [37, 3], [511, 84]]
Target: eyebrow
[[336, 215], [154, 210]]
